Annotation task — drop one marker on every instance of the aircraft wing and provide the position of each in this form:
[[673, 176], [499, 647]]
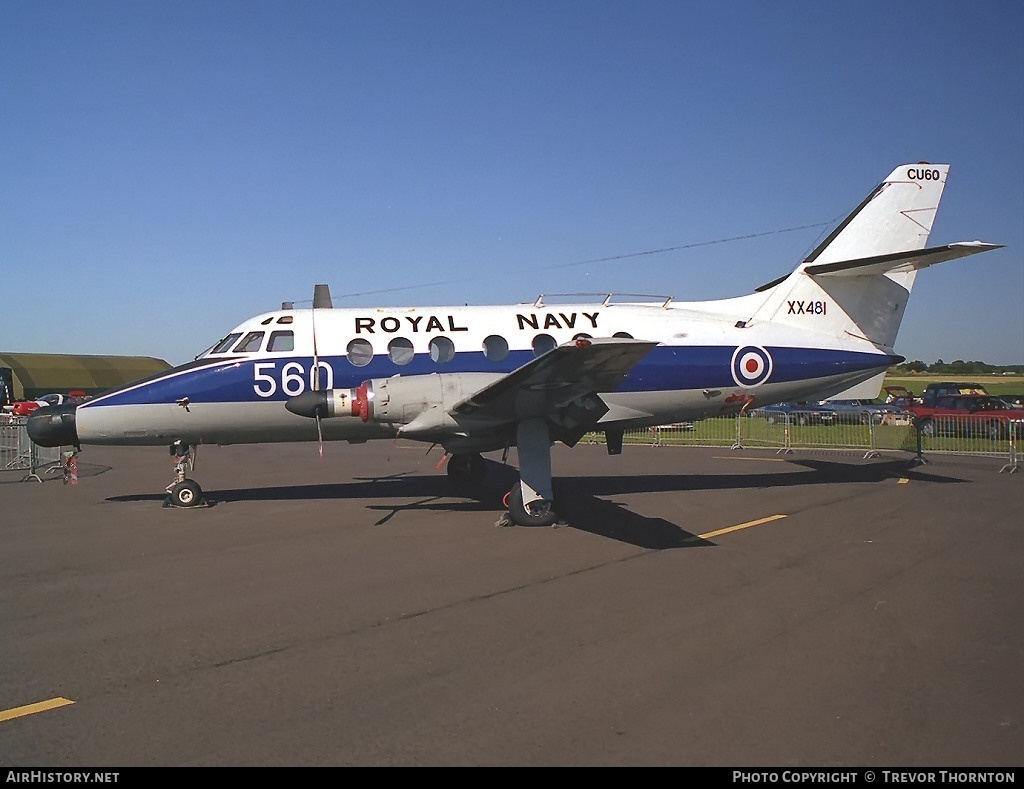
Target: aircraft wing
[[562, 385]]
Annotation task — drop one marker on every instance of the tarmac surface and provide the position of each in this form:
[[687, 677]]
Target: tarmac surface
[[360, 611]]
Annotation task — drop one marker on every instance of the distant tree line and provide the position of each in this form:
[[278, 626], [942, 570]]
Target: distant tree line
[[959, 368]]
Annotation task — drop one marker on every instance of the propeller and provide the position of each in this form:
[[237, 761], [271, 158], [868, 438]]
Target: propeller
[[321, 299]]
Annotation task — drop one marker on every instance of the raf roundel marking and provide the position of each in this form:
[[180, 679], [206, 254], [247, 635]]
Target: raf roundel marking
[[751, 365]]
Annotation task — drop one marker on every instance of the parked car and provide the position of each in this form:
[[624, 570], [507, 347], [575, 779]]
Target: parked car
[[1012, 400], [26, 407], [800, 413], [23, 407], [863, 412], [900, 396], [935, 390], [972, 415]]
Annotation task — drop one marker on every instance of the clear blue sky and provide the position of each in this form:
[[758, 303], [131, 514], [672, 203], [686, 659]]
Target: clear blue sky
[[168, 169]]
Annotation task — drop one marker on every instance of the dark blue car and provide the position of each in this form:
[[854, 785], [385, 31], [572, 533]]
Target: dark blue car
[[797, 414], [863, 412]]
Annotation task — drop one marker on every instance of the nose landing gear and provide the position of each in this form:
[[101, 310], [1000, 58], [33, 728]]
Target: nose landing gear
[[184, 492]]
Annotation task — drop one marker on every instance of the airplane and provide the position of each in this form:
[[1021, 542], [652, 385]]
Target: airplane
[[477, 379]]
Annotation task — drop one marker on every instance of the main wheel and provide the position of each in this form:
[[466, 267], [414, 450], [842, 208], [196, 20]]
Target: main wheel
[[186, 493], [469, 468], [539, 513]]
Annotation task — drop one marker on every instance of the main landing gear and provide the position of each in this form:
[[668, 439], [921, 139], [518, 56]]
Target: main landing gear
[[466, 468], [529, 503], [539, 512]]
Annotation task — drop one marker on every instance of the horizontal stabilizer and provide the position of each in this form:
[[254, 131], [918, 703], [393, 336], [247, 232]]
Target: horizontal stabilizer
[[900, 261]]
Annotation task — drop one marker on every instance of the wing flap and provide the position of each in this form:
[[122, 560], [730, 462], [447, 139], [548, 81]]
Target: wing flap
[[562, 385]]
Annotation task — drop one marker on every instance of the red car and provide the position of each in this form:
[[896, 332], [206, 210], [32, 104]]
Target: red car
[[970, 415], [26, 407]]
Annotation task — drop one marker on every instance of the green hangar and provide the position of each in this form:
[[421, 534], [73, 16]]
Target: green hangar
[[30, 375]]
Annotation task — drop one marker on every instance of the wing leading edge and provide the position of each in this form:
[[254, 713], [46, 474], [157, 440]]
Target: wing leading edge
[[562, 386]]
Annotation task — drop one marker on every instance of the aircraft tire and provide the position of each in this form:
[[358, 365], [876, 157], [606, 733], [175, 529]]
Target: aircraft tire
[[186, 493], [469, 468], [542, 515]]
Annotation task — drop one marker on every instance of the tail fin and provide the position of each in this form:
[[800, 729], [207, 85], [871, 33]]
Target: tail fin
[[855, 285], [896, 217]]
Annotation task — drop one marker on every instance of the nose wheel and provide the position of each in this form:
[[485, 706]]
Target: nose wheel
[[186, 493]]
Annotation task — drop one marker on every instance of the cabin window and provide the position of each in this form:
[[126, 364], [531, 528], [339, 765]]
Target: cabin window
[[543, 343], [360, 352], [285, 319], [267, 321], [400, 350], [281, 341], [495, 348], [250, 343], [442, 350], [227, 342]]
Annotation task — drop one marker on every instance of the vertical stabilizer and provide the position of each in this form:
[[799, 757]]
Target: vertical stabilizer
[[896, 217]]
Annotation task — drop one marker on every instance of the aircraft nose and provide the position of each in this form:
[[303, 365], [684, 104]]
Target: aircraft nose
[[54, 426]]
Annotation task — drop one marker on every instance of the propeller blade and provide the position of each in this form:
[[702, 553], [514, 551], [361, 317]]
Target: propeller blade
[[321, 298]]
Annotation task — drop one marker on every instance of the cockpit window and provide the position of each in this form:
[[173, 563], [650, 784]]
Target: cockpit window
[[227, 342], [281, 341], [250, 343]]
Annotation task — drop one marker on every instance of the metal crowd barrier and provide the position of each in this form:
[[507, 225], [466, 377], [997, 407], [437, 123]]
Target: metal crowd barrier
[[19, 453], [948, 435], [798, 430]]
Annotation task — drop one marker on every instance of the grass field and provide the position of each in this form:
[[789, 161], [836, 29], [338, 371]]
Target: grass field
[[995, 384]]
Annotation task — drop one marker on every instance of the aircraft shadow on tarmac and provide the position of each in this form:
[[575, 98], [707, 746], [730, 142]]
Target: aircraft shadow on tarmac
[[586, 501]]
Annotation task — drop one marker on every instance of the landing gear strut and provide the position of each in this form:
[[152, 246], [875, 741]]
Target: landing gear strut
[[183, 492], [531, 501]]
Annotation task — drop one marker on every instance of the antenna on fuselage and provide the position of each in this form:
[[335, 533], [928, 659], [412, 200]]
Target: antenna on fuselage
[[322, 297]]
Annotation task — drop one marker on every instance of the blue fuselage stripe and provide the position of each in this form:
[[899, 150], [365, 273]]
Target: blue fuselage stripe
[[665, 368]]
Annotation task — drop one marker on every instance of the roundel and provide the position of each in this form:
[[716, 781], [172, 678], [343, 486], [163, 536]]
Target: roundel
[[751, 365]]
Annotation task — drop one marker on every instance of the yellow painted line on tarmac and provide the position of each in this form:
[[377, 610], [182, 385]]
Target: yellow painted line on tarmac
[[903, 481], [737, 527], [32, 709], [761, 460]]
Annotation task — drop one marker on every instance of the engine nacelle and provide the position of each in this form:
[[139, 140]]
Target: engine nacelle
[[397, 400], [401, 399], [325, 404]]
